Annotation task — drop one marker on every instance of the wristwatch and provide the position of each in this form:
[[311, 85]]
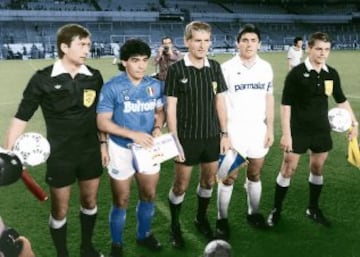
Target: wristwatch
[[224, 133]]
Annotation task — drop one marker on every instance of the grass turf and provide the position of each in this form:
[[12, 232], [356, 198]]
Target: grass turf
[[295, 235]]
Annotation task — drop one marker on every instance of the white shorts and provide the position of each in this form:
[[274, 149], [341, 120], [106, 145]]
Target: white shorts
[[121, 163], [248, 140]]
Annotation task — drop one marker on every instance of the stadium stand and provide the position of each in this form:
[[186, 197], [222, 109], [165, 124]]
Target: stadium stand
[[24, 23]]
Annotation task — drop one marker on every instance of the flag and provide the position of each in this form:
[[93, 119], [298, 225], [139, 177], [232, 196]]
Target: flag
[[354, 152], [228, 163]]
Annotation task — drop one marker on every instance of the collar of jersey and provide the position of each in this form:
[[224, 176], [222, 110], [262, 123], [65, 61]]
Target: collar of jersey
[[309, 67], [58, 69], [238, 58], [189, 63]]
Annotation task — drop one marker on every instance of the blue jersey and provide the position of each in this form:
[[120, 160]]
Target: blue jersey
[[133, 107]]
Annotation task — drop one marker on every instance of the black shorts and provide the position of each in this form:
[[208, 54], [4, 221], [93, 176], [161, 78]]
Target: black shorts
[[316, 143], [75, 161], [200, 150]]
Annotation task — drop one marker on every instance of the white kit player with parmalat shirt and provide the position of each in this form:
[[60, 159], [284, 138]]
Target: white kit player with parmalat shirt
[[246, 104], [250, 111]]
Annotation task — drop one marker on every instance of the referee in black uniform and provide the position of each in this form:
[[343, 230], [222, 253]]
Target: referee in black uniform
[[305, 124], [196, 114], [67, 93]]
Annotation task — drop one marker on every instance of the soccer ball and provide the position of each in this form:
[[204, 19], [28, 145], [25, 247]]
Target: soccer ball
[[340, 119], [217, 248], [32, 148]]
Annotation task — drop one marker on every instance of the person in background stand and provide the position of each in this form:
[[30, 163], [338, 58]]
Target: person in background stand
[[166, 55], [295, 53]]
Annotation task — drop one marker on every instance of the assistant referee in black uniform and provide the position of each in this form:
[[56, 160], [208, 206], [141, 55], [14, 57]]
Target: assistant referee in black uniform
[[67, 93], [196, 114], [305, 124]]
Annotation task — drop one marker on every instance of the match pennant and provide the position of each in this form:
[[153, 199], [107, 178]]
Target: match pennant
[[165, 147], [228, 163]]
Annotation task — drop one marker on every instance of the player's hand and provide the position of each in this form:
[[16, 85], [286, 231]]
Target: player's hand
[[225, 144], [156, 132], [269, 139], [143, 139], [105, 157], [26, 250], [286, 143], [181, 156], [353, 132]]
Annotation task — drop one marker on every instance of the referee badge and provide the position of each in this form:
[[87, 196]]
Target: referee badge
[[329, 84], [214, 86], [89, 97]]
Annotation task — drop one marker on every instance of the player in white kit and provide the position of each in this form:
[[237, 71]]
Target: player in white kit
[[295, 53], [250, 107]]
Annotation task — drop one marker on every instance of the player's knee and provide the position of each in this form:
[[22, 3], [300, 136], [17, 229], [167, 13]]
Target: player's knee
[[148, 196], [88, 204], [122, 202], [178, 191], [229, 181], [316, 168], [253, 177], [59, 214], [179, 188]]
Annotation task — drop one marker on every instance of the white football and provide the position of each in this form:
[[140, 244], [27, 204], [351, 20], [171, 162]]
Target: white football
[[32, 148], [340, 119], [217, 248]]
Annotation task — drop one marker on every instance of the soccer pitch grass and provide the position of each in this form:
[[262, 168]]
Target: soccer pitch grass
[[295, 235]]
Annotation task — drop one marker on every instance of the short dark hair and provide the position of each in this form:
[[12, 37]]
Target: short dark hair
[[321, 36], [166, 37], [133, 47], [67, 33], [297, 39], [248, 28]]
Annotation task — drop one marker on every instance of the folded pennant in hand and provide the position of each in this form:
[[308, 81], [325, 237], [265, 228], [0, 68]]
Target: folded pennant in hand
[[354, 153], [228, 163]]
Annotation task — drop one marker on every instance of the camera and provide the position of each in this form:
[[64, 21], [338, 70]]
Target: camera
[[166, 50], [9, 247]]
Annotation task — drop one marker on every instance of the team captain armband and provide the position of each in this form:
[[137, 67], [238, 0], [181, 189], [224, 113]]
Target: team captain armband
[[165, 147]]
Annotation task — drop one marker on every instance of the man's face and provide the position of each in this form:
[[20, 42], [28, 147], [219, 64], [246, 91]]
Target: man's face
[[319, 52], [136, 67], [299, 44], [167, 42], [248, 45], [78, 51], [199, 44]]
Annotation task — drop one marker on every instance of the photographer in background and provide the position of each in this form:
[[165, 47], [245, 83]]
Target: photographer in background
[[166, 56]]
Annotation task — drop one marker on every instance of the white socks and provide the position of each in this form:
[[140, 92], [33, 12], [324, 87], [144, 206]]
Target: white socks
[[224, 193]]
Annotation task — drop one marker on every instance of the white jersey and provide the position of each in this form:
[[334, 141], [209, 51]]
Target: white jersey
[[294, 56], [246, 104], [247, 89]]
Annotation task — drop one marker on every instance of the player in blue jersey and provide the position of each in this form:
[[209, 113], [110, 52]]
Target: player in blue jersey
[[130, 110]]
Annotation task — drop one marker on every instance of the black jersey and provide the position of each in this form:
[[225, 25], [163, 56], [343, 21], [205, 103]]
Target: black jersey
[[68, 104], [307, 92], [195, 90]]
